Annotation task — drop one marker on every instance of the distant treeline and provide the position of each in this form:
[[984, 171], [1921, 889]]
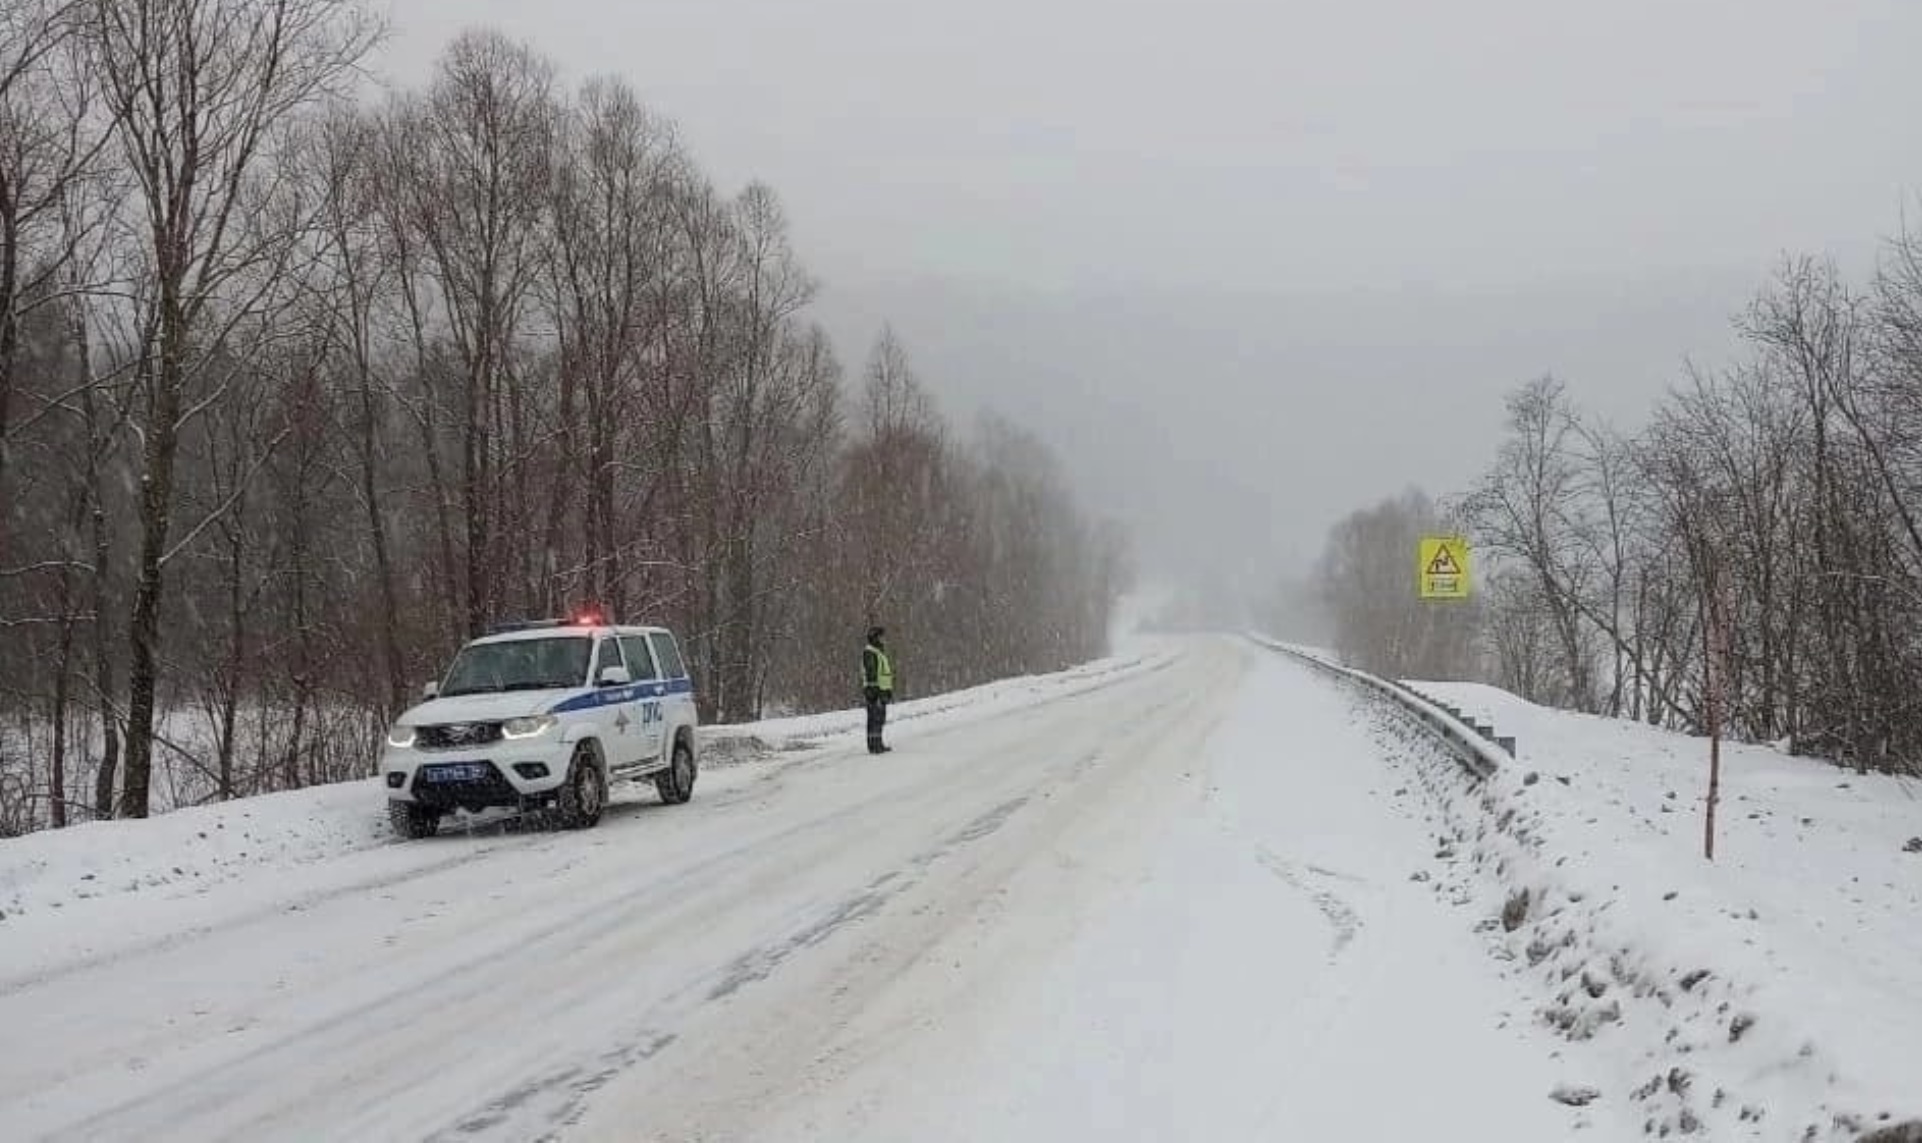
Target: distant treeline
[[1771, 510]]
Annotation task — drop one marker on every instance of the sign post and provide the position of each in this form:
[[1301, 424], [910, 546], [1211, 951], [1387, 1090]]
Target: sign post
[[1441, 568], [1715, 675]]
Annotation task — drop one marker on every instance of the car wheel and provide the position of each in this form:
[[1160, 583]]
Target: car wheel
[[676, 783], [412, 820], [584, 795]]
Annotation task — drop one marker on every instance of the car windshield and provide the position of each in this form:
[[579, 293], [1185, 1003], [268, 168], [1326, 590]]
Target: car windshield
[[519, 665]]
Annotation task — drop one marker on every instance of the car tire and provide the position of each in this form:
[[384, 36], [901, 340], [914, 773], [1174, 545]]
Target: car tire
[[584, 795], [412, 820], [676, 783]]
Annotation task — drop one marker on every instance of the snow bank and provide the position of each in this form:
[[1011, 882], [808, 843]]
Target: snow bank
[[1303, 650], [748, 741], [1775, 994], [54, 868]]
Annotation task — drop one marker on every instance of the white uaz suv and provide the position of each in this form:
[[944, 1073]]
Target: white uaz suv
[[545, 713]]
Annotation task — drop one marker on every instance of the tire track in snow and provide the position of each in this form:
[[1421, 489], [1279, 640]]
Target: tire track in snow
[[760, 963], [575, 1086], [1343, 921], [263, 915]]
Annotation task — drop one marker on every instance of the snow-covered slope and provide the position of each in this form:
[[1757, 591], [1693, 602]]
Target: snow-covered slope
[[1776, 993]]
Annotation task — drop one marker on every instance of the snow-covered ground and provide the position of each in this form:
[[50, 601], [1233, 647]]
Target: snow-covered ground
[[753, 741], [73, 894], [1163, 897], [1775, 994], [1231, 951], [1201, 891]]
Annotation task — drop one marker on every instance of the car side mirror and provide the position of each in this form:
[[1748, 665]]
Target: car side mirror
[[615, 677], [431, 689]]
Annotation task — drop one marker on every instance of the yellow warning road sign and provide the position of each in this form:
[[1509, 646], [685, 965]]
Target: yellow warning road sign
[[1442, 569]]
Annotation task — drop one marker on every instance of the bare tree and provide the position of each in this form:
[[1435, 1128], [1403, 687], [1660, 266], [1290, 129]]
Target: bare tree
[[49, 138], [479, 162], [613, 228], [352, 283], [1526, 509], [759, 400], [897, 475], [197, 89], [1811, 331]]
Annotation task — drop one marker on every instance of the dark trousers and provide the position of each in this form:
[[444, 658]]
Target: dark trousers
[[877, 718]]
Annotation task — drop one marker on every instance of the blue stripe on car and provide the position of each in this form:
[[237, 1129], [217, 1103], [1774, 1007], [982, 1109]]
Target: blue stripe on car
[[617, 696]]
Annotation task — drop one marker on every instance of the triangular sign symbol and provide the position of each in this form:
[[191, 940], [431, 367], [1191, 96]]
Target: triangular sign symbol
[[1444, 563]]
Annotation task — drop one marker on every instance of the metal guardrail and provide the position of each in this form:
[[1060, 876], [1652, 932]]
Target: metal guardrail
[[1470, 745]]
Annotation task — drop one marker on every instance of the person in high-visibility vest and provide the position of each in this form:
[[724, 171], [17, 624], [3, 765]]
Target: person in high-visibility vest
[[877, 687]]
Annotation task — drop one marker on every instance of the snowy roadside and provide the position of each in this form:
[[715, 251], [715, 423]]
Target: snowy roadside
[[96, 885], [726, 745], [1776, 994]]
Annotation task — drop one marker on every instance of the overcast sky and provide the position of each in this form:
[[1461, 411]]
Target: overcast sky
[[1249, 264]]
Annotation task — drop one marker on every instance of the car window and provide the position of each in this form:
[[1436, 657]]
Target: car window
[[669, 655], [517, 665], [607, 654], [639, 662]]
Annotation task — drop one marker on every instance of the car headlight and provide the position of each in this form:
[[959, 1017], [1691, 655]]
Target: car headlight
[[532, 727], [401, 737]]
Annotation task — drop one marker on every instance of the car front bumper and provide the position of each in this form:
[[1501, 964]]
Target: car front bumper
[[498, 774]]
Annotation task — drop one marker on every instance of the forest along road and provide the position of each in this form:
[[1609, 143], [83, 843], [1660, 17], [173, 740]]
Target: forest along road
[[1176, 906]]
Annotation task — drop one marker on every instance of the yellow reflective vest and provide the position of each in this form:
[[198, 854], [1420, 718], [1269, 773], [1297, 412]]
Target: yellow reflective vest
[[882, 677]]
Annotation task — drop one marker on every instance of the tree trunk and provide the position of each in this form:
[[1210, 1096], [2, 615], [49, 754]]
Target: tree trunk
[[555, 543], [156, 514], [236, 660], [224, 752], [303, 643], [9, 341], [143, 665], [736, 668], [523, 594], [106, 775], [388, 623], [291, 764], [601, 506], [63, 674], [474, 503], [437, 481]]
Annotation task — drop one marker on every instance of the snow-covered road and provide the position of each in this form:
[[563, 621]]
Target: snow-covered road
[[1177, 904]]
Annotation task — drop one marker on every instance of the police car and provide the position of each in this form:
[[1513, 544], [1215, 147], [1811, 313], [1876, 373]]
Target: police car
[[545, 713]]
